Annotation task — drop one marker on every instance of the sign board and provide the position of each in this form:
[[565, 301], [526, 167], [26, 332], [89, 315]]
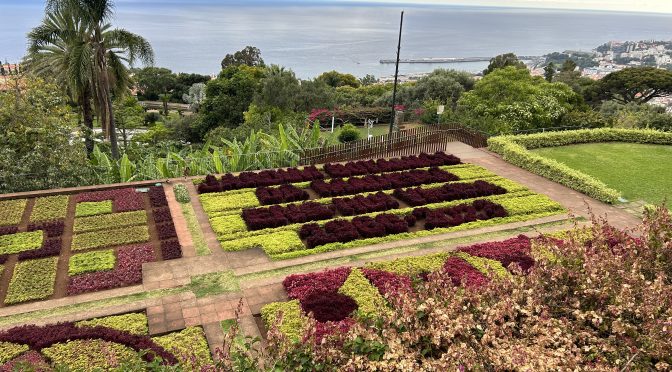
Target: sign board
[[440, 109]]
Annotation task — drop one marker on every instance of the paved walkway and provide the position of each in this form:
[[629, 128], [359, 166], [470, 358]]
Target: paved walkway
[[176, 311]]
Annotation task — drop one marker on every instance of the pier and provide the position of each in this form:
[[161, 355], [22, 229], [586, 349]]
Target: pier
[[451, 59]]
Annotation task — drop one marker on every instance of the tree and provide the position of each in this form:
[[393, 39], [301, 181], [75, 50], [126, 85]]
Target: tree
[[510, 99], [549, 72], [195, 96], [635, 84], [568, 66], [445, 86], [279, 88], [368, 80], [39, 143], [249, 56], [110, 48], [156, 83], [315, 94], [129, 115], [184, 82], [336, 79], [228, 97], [502, 61]]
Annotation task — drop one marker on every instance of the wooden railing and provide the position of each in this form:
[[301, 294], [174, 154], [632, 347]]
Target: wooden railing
[[428, 139]]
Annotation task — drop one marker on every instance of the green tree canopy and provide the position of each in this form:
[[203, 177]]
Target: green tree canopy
[[154, 81], [445, 86], [336, 79], [549, 72], [635, 84], [279, 88], [249, 56], [504, 60], [39, 144], [512, 100]]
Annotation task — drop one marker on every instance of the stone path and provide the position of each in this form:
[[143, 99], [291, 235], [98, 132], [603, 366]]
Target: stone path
[[176, 311]]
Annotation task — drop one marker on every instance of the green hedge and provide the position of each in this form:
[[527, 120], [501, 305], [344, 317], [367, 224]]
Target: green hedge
[[189, 346], [411, 266], [11, 211], [218, 202], [367, 297], [515, 150], [50, 208], [225, 225], [32, 280], [135, 323], [21, 242], [9, 351], [293, 320], [89, 355], [93, 208], [108, 238], [110, 221], [91, 262], [484, 265], [273, 243]]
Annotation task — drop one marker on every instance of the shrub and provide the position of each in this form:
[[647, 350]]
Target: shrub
[[301, 286], [454, 191], [171, 250], [514, 149], [93, 208], [258, 179], [363, 167], [181, 193], [349, 133], [292, 321], [83, 355], [276, 216], [157, 197], [20, 242], [32, 280], [91, 262], [110, 221], [11, 211], [134, 323], [219, 202], [368, 299], [281, 194], [108, 238], [49, 208], [127, 272], [328, 306]]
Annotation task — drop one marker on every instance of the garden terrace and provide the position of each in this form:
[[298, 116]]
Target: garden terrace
[[56, 246], [380, 208], [101, 344], [335, 298]]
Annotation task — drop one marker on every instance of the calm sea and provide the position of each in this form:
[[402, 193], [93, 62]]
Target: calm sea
[[311, 38]]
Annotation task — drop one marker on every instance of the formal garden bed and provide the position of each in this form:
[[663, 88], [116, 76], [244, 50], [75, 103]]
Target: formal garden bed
[[518, 150], [119, 341], [56, 246], [302, 211]]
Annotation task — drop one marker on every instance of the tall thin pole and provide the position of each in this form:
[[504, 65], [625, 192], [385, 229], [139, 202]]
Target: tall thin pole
[[396, 75]]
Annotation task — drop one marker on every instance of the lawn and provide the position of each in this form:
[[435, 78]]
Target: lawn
[[638, 171]]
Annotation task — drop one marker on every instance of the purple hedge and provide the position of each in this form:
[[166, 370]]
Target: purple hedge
[[328, 306], [517, 250], [258, 179], [52, 229], [39, 337], [359, 228], [162, 215], [157, 197], [365, 204], [171, 250], [301, 286], [123, 200], [339, 186], [387, 282], [7, 230], [449, 192], [276, 216], [281, 194], [166, 231], [50, 247], [461, 271], [460, 214], [358, 168]]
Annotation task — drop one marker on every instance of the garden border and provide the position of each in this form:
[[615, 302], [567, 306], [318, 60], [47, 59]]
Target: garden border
[[515, 150]]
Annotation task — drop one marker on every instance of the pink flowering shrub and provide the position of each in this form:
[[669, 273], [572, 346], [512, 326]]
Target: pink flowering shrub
[[127, 272]]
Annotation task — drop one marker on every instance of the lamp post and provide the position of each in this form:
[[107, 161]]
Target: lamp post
[[396, 75]]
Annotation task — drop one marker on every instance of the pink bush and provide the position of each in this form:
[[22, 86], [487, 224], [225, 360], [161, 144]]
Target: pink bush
[[127, 272], [300, 286]]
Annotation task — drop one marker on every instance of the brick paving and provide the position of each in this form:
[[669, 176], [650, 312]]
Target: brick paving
[[176, 311]]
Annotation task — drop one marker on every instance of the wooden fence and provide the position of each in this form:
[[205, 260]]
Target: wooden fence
[[428, 139]]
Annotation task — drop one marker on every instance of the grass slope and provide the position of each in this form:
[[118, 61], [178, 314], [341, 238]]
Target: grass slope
[[638, 171]]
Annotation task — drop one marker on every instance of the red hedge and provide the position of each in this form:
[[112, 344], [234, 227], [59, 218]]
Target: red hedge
[[517, 250], [166, 231], [50, 247], [387, 282], [457, 191], [53, 229], [300, 286], [359, 228], [358, 168], [171, 250], [123, 200], [460, 214], [162, 215], [276, 216], [157, 197], [365, 204], [279, 195], [258, 179], [328, 306], [461, 271]]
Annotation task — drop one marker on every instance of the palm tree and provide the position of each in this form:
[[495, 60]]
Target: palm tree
[[112, 50]]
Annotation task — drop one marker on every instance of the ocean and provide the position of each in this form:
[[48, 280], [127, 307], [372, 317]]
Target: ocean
[[312, 38]]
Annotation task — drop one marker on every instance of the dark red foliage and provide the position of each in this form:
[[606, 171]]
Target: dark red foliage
[[301, 286], [39, 337], [166, 231], [359, 228], [387, 282], [517, 250], [449, 192], [127, 272], [325, 329], [328, 306], [52, 229], [123, 200], [157, 197], [357, 185], [460, 214], [171, 250], [259, 179], [50, 247], [377, 202], [162, 215], [4, 258], [358, 168], [276, 216], [281, 194], [461, 271], [7, 230], [31, 358]]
